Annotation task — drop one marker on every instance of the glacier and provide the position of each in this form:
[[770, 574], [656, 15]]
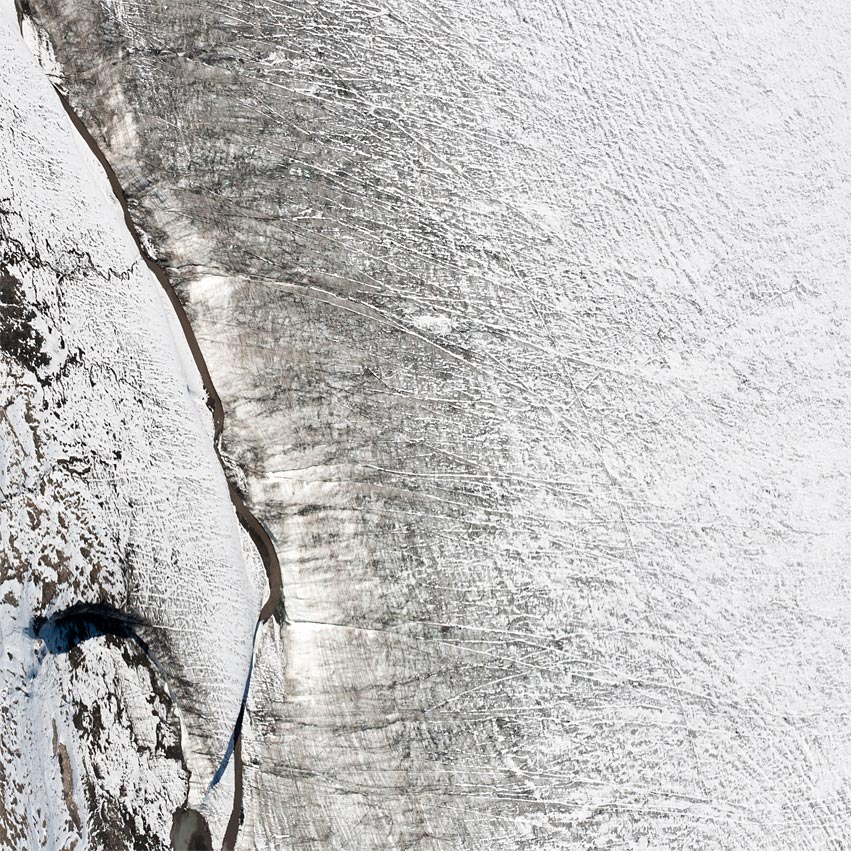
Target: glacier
[[530, 325]]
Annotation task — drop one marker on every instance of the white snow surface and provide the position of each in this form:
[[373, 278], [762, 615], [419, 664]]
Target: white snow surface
[[111, 493]]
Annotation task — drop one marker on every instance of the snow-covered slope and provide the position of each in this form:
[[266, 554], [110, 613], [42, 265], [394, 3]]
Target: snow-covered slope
[[112, 497], [531, 321]]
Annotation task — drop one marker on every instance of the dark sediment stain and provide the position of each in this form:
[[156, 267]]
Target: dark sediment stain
[[236, 816], [65, 771]]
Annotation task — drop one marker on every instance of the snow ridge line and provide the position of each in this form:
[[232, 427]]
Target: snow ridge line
[[258, 533]]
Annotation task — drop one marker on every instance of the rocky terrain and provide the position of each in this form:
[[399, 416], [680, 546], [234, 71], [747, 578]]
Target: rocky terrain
[[129, 593], [530, 323]]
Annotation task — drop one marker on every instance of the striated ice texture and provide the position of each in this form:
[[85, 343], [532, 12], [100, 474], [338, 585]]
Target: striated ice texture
[[532, 325]]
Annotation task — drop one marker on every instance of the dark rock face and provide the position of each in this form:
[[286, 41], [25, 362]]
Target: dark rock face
[[526, 322], [18, 337]]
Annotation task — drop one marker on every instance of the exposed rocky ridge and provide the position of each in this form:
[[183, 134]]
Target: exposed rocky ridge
[[531, 327]]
